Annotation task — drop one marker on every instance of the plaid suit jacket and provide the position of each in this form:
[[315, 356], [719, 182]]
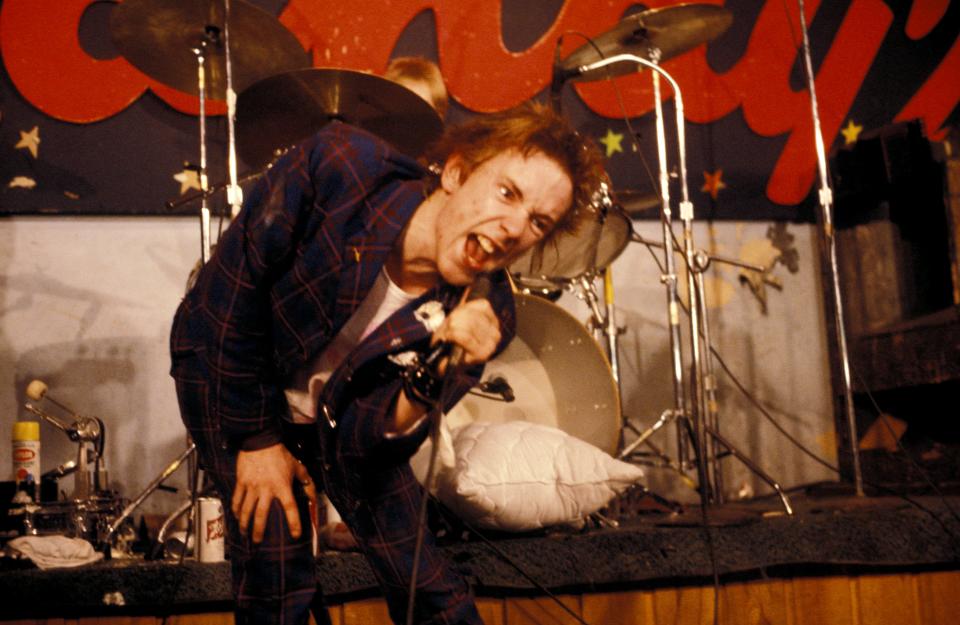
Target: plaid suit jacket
[[290, 271]]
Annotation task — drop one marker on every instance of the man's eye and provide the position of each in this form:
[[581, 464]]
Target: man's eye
[[506, 192], [540, 224]]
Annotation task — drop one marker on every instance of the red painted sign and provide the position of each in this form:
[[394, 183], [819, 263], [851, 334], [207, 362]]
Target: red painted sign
[[48, 66]]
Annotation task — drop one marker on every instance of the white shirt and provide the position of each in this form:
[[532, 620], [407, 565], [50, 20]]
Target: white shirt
[[384, 299]]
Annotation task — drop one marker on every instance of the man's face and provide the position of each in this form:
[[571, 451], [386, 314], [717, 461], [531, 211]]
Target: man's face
[[503, 208]]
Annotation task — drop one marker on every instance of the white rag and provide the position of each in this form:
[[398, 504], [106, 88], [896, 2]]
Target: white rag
[[49, 552]]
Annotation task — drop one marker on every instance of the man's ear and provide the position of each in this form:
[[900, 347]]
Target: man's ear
[[450, 177]]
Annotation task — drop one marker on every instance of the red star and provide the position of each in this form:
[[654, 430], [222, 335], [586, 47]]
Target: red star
[[712, 183]]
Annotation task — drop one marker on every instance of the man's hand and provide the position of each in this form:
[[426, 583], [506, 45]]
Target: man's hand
[[262, 476], [474, 327]]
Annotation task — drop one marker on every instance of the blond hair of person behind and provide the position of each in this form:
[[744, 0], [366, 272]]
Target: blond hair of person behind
[[422, 76]]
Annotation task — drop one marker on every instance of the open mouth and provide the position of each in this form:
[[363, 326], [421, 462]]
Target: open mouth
[[479, 250]]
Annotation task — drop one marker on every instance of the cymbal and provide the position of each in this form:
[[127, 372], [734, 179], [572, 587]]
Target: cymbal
[[277, 112], [597, 243], [638, 204], [671, 30], [159, 37]]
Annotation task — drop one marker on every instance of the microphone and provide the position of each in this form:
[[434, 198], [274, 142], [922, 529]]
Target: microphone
[[480, 289]]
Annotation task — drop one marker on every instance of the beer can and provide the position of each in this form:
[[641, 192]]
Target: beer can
[[210, 530]]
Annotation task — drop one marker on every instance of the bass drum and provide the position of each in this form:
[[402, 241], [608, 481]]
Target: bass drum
[[557, 375]]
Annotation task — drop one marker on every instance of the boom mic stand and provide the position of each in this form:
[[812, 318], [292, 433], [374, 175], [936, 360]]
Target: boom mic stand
[[826, 210], [703, 386]]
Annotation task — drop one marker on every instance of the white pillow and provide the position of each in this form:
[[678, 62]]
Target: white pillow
[[520, 476]]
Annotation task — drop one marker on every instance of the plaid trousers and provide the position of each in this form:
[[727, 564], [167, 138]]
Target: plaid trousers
[[275, 581]]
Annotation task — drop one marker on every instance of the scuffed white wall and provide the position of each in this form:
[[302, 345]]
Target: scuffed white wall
[[86, 307], [87, 302]]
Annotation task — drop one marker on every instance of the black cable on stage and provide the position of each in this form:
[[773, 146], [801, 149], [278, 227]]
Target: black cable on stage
[[766, 414], [435, 414], [507, 559]]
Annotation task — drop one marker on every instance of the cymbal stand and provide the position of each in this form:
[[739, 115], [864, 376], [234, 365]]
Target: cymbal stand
[[234, 192], [205, 247], [604, 328], [694, 416]]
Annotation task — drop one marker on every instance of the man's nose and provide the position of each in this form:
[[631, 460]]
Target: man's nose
[[514, 223]]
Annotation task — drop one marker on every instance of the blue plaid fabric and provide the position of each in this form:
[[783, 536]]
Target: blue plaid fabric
[[284, 278]]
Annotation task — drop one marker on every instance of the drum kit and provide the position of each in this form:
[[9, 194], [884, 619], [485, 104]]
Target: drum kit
[[215, 48]]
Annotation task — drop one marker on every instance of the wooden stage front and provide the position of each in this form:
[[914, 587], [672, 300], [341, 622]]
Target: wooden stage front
[[838, 560]]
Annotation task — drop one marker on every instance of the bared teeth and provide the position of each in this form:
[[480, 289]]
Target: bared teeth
[[486, 244]]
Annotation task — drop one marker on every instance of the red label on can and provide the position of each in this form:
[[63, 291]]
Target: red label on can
[[215, 528], [23, 454]]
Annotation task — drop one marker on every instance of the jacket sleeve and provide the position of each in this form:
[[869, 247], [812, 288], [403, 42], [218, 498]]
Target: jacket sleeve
[[230, 306], [361, 394]]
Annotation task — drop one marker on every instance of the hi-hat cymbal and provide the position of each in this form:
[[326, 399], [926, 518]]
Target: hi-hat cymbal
[[159, 37], [671, 30], [638, 204], [277, 112]]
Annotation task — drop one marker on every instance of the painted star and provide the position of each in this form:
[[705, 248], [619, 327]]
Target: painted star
[[612, 141], [188, 179], [713, 183], [22, 182], [851, 132], [30, 141]]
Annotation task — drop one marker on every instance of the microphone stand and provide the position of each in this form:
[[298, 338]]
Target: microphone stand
[[703, 388], [826, 210], [202, 173], [234, 192], [681, 409]]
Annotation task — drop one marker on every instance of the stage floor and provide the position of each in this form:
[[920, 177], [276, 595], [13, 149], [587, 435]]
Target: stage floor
[[830, 533]]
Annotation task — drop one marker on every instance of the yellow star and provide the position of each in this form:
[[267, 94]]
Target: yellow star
[[188, 179], [612, 142], [30, 141], [22, 182], [713, 183], [851, 132]]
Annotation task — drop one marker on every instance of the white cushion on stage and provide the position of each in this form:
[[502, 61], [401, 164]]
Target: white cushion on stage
[[520, 476]]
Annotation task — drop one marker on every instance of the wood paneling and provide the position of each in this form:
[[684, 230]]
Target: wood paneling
[[891, 599]]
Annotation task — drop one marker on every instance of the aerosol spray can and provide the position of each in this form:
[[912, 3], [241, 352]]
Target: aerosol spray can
[[26, 456]]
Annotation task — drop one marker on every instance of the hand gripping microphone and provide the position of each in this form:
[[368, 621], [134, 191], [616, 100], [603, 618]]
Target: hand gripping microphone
[[480, 289]]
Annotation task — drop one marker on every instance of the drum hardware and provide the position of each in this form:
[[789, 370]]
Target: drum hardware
[[649, 38], [153, 486], [89, 512], [158, 37], [543, 287], [279, 111], [88, 432], [664, 33], [596, 244], [495, 388], [639, 204], [185, 44], [212, 190]]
